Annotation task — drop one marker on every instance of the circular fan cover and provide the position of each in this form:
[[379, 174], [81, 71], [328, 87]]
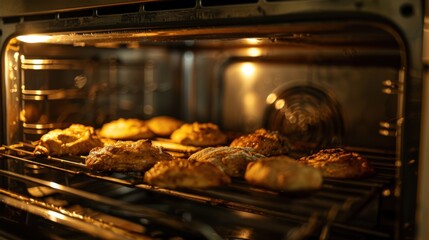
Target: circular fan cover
[[308, 116]]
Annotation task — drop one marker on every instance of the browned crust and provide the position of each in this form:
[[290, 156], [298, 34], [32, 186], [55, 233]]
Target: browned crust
[[282, 173], [126, 156], [185, 174], [339, 163], [266, 142], [126, 129], [164, 126], [231, 160], [199, 134], [77, 139]]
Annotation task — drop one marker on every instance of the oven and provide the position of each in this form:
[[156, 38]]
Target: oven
[[325, 73]]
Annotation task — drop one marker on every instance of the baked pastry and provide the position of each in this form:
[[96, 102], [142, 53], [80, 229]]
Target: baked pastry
[[282, 173], [339, 163], [183, 173], [163, 126], [199, 134], [126, 156], [75, 140], [231, 160], [266, 142], [126, 129]]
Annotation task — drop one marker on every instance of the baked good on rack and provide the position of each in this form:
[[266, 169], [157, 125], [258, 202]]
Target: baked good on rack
[[163, 126], [75, 140], [183, 173], [266, 142], [231, 160], [339, 163], [282, 173], [199, 134], [126, 129], [126, 156]]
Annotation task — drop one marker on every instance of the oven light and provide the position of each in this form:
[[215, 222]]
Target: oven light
[[34, 38], [247, 69], [254, 52], [252, 40]]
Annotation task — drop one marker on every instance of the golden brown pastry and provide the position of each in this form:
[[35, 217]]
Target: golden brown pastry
[[75, 140], [338, 163], [126, 156], [199, 134], [231, 160], [185, 174], [126, 129], [268, 143], [164, 126], [282, 173]]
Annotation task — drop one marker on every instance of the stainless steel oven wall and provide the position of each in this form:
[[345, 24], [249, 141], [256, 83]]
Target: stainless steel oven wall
[[61, 85], [237, 88]]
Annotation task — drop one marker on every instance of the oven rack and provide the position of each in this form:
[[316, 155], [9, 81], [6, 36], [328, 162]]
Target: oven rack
[[338, 202], [94, 225]]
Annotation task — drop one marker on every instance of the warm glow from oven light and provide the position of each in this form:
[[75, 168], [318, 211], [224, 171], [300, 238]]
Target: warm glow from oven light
[[252, 40], [34, 38], [37, 61], [37, 67], [254, 52], [16, 56], [54, 185], [271, 98], [54, 215], [247, 69], [279, 104]]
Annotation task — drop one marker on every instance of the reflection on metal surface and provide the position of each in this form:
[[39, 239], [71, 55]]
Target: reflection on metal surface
[[45, 126], [390, 87], [271, 98], [306, 115], [247, 69], [252, 40], [34, 38], [388, 129], [57, 64], [254, 52], [88, 225], [55, 216]]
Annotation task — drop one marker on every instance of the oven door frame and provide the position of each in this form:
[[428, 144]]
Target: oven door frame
[[402, 18]]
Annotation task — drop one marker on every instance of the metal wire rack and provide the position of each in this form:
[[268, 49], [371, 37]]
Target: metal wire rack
[[307, 213]]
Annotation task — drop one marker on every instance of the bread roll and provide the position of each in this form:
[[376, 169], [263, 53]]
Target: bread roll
[[164, 126], [126, 129], [266, 142], [126, 156], [282, 173], [77, 139], [338, 163], [199, 134], [231, 160], [185, 174]]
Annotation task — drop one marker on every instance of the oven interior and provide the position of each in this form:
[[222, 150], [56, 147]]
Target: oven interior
[[322, 84]]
